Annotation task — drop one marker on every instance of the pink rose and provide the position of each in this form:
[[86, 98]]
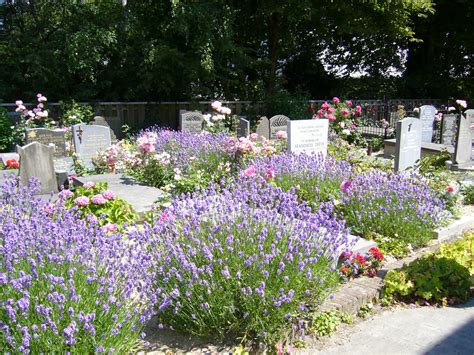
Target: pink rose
[[344, 112], [331, 109], [320, 113], [19, 103], [98, 200], [353, 126], [109, 194], [349, 103], [315, 117], [325, 106], [335, 100], [42, 99], [225, 111], [281, 135], [81, 201], [250, 172], [270, 173], [89, 185], [216, 105], [331, 118], [109, 227], [92, 219], [358, 109]]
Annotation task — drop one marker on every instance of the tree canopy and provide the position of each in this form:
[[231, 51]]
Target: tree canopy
[[238, 49]]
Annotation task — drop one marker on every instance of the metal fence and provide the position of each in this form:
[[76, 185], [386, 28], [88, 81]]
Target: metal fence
[[166, 114]]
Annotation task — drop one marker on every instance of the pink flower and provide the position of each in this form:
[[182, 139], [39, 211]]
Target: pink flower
[[253, 137], [320, 113], [325, 106], [331, 117], [19, 103], [42, 98], [349, 103], [450, 189], [109, 194], [331, 109], [66, 194], [250, 172], [216, 105], [345, 185], [270, 173], [99, 200], [92, 219], [89, 185], [335, 100], [81, 201], [281, 135], [279, 348], [315, 117], [358, 110], [344, 112], [49, 208], [353, 126], [109, 227], [225, 111]]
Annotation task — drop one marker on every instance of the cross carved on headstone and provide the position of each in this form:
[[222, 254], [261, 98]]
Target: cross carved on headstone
[[409, 127], [79, 133]]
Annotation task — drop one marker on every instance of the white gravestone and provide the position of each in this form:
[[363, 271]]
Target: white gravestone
[[89, 139], [263, 127], [408, 143], [308, 136], [191, 121], [427, 117], [463, 147]]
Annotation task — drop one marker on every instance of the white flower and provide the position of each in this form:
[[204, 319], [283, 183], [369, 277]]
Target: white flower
[[416, 109], [342, 124], [346, 131], [216, 105], [225, 110], [18, 102], [451, 108], [207, 117], [462, 103]]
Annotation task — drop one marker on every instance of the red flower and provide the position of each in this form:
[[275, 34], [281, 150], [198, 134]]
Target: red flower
[[12, 164], [376, 253], [345, 270], [360, 259], [450, 189]]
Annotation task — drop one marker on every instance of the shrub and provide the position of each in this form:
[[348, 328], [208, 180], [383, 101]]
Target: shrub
[[468, 192], [96, 200], [312, 178], [6, 132], [393, 205], [66, 286], [74, 112], [244, 262]]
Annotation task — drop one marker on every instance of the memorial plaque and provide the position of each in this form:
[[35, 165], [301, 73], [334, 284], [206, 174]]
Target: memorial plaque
[[308, 136], [427, 116], [36, 160], [463, 147], [243, 127], [191, 121], [278, 123], [263, 128], [408, 143], [55, 138], [448, 129], [89, 139]]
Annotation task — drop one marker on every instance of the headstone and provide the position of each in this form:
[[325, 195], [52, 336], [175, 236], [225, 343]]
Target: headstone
[[427, 116], [243, 127], [191, 121], [308, 136], [36, 160], [100, 121], [448, 129], [278, 123], [463, 147], [263, 127], [408, 143], [55, 138], [88, 139]]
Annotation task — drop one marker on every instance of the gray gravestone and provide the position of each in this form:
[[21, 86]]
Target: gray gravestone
[[408, 143], [101, 121], [308, 136], [243, 127], [448, 129], [278, 123], [263, 128], [191, 121], [463, 147], [427, 116], [89, 139], [49, 137], [36, 160]]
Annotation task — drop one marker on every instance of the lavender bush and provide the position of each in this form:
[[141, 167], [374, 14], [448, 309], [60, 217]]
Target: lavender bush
[[313, 179], [243, 262], [397, 206], [66, 285], [180, 161]]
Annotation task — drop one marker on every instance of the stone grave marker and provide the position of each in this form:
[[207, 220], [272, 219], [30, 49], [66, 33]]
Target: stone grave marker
[[191, 121], [463, 146], [243, 127], [88, 139], [101, 121], [308, 136], [36, 160], [263, 127], [278, 123], [448, 129], [427, 116], [50, 137], [408, 143]]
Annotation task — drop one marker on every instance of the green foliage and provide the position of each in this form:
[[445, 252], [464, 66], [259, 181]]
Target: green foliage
[[285, 103], [74, 113], [365, 310], [6, 133], [391, 245], [444, 276], [109, 211], [326, 323], [434, 163], [468, 192]]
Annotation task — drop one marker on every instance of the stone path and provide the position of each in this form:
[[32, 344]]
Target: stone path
[[423, 330]]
